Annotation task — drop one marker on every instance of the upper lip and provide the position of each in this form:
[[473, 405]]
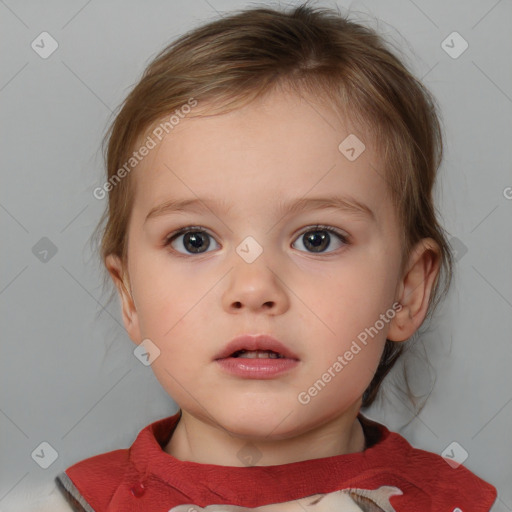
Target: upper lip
[[255, 342]]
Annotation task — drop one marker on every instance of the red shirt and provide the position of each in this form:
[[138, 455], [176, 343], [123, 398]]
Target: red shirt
[[389, 473]]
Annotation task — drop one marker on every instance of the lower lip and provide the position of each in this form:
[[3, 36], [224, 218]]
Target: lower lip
[[259, 368]]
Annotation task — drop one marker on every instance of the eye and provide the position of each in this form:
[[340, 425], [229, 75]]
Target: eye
[[318, 238], [194, 240]]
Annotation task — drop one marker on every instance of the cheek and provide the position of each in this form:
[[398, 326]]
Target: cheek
[[355, 296], [174, 311], [344, 375], [162, 295], [164, 312], [175, 296]]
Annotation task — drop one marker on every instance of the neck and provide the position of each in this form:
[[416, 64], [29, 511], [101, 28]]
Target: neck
[[207, 443]]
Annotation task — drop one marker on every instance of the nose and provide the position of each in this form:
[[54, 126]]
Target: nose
[[255, 287]]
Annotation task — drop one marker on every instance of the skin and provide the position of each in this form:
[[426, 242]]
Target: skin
[[190, 305]]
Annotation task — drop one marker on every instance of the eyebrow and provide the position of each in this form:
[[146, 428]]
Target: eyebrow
[[346, 204]]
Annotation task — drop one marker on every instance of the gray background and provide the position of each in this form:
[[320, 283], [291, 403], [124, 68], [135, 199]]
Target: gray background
[[69, 376]]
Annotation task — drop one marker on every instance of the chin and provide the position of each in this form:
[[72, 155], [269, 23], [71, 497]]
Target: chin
[[259, 423]]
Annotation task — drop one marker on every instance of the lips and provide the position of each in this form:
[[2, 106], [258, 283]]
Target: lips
[[250, 342]]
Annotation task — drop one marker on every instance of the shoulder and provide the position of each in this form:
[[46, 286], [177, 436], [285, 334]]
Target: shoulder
[[89, 485], [436, 479], [94, 484], [442, 478]]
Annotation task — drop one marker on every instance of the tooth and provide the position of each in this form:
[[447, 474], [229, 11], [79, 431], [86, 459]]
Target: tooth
[[258, 354], [248, 355]]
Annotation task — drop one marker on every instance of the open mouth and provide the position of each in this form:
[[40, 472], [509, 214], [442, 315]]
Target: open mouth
[[257, 354], [256, 357]]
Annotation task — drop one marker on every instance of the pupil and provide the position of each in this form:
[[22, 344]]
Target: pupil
[[318, 242], [195, 240]]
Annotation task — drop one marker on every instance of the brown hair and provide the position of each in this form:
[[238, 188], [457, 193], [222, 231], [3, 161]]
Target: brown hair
[[231, 61]]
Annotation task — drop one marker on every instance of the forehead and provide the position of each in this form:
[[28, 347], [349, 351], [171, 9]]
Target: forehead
[[280, 147]]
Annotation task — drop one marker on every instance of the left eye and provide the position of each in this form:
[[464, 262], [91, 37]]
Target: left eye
[[318, 238]]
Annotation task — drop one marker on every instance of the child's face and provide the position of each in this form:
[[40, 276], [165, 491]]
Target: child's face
[[250, 163]]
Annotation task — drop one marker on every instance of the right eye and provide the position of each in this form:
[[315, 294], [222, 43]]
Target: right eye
[[193, 239]]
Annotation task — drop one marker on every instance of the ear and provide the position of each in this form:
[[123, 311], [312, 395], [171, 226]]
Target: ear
[[415, 288], [129, 312]]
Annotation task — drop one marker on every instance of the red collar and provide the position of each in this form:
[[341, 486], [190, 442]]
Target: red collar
[[423, 477], [414, 479]]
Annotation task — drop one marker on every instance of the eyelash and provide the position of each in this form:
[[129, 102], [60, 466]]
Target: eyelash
[[345, 239]]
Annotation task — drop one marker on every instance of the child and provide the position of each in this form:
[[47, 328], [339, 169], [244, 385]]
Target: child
[[272, 236]]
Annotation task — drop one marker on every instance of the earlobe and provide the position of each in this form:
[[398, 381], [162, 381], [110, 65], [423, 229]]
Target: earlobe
[[415, 289], [128, 310]]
